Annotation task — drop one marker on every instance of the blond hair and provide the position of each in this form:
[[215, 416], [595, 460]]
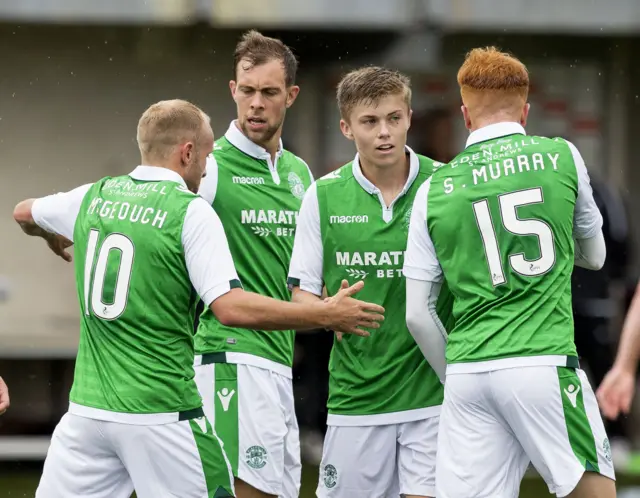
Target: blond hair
[[257, 49], [492, 81], [167, 124], [369, 85]]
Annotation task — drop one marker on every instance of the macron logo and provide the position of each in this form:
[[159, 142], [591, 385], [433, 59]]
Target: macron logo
[[349, 219], [224, 395], [248, 180]]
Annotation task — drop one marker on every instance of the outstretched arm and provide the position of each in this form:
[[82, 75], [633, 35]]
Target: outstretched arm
[[52, 217], [214, 277]]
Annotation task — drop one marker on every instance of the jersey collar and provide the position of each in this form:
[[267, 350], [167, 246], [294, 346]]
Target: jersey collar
[[414, 167], [156, 174], [241, 142], [494, 131]]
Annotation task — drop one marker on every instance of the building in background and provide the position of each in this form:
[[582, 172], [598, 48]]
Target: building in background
[[80, 72]]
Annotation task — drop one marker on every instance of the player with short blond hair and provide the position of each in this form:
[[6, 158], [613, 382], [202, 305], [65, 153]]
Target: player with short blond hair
[[503, 225], [146, 247], [384, 398]]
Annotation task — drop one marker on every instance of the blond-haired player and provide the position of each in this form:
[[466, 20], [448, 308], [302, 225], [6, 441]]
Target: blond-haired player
[[384, 398], [144, 242], [503, 225]]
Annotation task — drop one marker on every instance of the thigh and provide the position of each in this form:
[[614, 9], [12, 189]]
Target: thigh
[[251, 421], [179, 459], [554, 414], [292, 468], [81, 462], [374, 474], [478, 456], [417, 445]]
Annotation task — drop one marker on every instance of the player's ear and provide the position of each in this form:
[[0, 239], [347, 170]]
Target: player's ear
[[346, 129], [232, 87], [292, 95], [525, 114], [186, 153], [410, 116], [466, 116]]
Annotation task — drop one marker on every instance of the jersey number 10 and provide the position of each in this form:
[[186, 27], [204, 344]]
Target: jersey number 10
[[509, 204], [94, 287]]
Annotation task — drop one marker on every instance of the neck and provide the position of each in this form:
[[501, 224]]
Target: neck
[[389, 179], [166, 164], [482, 121], [271, 146]]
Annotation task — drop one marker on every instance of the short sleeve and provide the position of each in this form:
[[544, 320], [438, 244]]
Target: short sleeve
[[207, 253], [587, 219], [58, 213], [209, 184], [420, 260], [305, 270]]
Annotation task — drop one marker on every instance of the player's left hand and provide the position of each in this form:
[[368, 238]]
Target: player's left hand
[[616, 392], [4, 396], [58, 244]]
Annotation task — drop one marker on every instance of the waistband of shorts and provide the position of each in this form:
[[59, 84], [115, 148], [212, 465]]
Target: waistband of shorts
[[134, 418], [383, 418], [513, 362], [243, 359]]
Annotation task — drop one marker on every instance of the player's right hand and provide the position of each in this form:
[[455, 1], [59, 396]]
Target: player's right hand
[[616, 392], [4, 396], [348, 315], [59, 244]]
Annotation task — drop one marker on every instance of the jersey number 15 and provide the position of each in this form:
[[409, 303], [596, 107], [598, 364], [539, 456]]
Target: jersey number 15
[[509, 204]]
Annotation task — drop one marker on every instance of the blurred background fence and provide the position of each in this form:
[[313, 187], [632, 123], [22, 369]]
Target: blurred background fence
[[76, 74]]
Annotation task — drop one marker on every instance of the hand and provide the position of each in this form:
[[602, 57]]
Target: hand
[[4, 396], [343, 285], [346, 314], [58, 244], [616, 392]]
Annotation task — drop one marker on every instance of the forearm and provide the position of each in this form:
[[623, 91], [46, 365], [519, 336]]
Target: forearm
[[305, 297], [23, 216], [629, 347], [248, 310], [424, 325], [590, 253]]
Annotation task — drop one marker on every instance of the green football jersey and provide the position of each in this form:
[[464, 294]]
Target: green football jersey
[[384, 377], [136, 299], [502, 217], [258, 203]]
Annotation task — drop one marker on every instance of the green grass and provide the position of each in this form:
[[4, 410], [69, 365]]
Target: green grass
[[23, 484]]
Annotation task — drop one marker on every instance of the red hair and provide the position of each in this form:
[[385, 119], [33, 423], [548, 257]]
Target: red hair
[[493, 79]]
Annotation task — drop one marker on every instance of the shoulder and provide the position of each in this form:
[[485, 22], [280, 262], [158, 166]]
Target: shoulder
[[221, 148], [297, 165], [339, 175], [423, 190], [428, 167], [199, 213]]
